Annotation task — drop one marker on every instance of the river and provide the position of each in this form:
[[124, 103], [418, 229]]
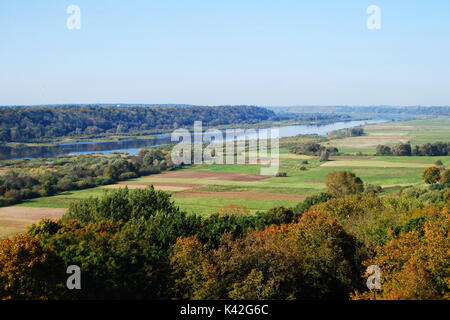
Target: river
[[132, 146]]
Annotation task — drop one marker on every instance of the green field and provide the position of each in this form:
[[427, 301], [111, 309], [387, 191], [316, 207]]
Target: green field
[[390, 172], [417, 132], [297, 183], [423, 131]]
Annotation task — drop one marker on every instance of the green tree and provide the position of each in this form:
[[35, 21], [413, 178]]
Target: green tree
[[311, 201], [402, 149], [122, 204], [431, 175], [383, 150], [342, 183]]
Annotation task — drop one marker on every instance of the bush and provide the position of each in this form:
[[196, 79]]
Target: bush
[[281, 174], [127, 176], [431, 175], [342, 183], [383, 151], [121, 204], [284, 215], [370, 188]]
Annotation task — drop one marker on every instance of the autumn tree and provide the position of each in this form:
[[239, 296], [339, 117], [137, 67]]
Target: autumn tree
[[195, 275], [283, 214], [415, 263], [341, 183], [311, 201], [431, 175], [233, 209], [253, 287], [28, 270], [445, 177], [312, 259]]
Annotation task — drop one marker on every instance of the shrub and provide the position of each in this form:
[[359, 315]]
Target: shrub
[[431, 175], [341, 183], [281, 174]]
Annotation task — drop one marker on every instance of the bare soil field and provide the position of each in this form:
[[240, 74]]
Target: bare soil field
[[17, 219], [31, 214], [210, 176], [164, 186], [371, 140], [242, 195], [141, 186], [160, 184]]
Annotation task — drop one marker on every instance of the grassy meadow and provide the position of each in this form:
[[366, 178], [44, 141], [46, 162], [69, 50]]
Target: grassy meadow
[[207, 195]]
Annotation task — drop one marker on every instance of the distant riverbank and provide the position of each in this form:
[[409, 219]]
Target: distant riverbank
[[132, 146]]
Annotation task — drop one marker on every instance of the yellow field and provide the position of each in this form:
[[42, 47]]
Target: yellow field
[[17, 219], [370, 140]]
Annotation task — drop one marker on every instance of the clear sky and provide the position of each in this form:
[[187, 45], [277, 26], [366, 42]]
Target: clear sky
[[263, 52]]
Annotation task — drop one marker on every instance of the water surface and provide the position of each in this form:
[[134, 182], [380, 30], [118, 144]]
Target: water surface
[[132, 146]]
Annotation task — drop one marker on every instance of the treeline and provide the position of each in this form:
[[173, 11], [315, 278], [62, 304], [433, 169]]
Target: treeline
[[410, 110], [380, 111], [405, 149], [26, 179], [136, 244], [311, 117], [349, 132], [46, 123], [312, 148]]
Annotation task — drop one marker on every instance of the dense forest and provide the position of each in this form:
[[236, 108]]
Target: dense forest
[[37, 124], [41, 123], [137, 244]]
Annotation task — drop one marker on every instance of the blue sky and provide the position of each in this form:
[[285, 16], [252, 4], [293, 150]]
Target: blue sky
[[284, 52]]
